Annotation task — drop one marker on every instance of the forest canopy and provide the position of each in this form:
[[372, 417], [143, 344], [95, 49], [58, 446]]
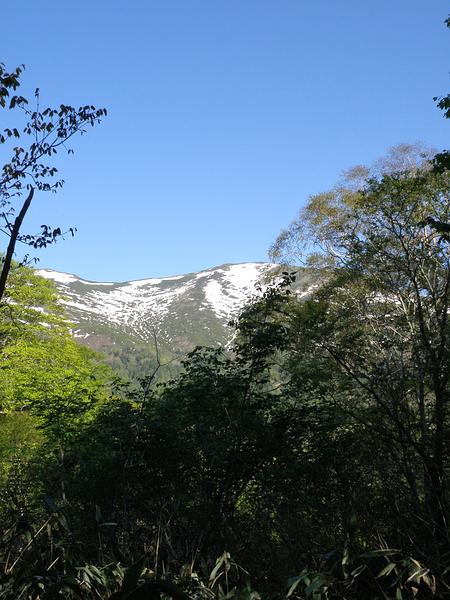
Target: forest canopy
[[315, 452]]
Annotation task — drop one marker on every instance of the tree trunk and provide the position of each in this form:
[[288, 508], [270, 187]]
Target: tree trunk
[[12, 242]]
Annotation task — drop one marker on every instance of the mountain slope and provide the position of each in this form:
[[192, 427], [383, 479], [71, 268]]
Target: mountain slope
[[178, 313]]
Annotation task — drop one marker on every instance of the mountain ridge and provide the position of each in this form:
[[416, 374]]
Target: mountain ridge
[[170, 315]]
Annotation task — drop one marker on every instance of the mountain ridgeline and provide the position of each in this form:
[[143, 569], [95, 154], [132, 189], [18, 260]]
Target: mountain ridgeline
[[131, 322]]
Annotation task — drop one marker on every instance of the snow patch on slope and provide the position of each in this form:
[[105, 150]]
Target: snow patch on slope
[[234, 289], [144, 305]]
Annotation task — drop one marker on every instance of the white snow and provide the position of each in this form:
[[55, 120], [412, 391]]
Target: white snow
[[144, 304], [56, 276], [65, 277], [237, 286]]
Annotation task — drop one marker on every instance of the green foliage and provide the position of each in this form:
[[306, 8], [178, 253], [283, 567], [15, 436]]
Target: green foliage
[[132, 360], [43, 560], [372, 342], [20, 443], [317, 444], [46, 565], [322, 428], [226, 580], [42, 367], [31, 305], [384, 573], [39, 561], [48, 385], [315, 238]]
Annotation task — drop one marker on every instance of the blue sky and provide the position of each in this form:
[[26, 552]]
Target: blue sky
[[223, 116]]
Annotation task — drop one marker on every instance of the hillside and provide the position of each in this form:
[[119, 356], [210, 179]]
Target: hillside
[[128, 321]]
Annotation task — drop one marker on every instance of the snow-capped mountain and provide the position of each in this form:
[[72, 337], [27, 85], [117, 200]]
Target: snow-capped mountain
[[179, 312]]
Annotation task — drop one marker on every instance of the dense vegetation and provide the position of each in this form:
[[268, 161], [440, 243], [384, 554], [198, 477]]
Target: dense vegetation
[[312, 460], [316, 451]]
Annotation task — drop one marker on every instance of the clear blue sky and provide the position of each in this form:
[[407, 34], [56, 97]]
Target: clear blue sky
[[223, 116]]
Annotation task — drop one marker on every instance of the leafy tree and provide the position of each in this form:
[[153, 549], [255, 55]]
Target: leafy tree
[[377, 331], [43, 371], [48, 131], [30, 305], [314, 238], [36, 340], [20, 444], [181, 456]]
